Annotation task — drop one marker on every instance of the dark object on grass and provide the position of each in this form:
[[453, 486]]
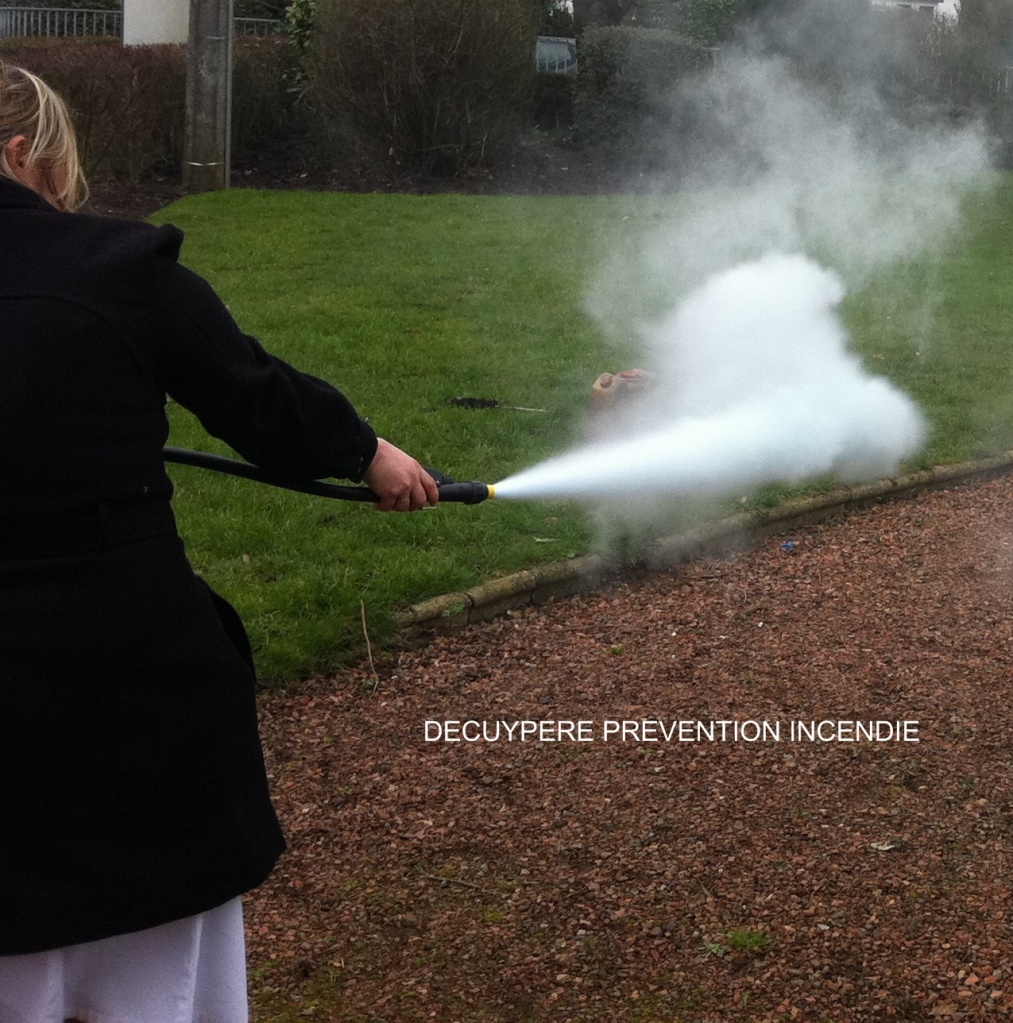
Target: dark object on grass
[[488, 403]]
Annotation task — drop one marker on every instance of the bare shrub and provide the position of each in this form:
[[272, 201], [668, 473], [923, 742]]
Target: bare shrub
[[624, 113], [435, 87], [261, 104], [122, 100], [128, 102]]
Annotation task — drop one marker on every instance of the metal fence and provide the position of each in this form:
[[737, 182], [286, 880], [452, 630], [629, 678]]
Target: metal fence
[[1002, 82], [255, 26], [973, 86], [17, 22]]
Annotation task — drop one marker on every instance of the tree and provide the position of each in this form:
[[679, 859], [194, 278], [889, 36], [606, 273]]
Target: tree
[[704, 21], [434, 87], [588, 13], [557, 19], [985, 30], [708, 22]]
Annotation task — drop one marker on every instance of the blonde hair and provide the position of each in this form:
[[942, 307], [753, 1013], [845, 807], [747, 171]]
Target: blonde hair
[[31, 108]]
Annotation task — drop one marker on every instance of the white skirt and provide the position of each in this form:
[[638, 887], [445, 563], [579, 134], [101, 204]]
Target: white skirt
[[187, 971]]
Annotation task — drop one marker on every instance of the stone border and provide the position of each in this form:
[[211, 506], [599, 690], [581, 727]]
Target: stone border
[[566, 579]]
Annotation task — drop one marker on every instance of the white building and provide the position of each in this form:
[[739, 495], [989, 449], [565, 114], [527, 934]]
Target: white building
[[155, 21]]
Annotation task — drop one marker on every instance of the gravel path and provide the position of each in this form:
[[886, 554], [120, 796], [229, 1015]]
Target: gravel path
[[654, 874]]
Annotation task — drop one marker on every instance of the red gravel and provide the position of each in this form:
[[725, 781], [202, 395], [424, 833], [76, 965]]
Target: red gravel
[[648, 880]]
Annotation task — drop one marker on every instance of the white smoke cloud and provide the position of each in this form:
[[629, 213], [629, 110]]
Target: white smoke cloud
[[793, 189], [764, 389], [775, 163]]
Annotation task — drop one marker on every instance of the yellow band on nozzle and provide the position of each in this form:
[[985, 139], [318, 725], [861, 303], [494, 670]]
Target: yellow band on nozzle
[[492, 491]]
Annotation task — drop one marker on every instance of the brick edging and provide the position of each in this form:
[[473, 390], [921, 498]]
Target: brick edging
[[568, 578]]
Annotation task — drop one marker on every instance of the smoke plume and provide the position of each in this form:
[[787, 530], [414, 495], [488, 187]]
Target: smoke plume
[[791, 181]]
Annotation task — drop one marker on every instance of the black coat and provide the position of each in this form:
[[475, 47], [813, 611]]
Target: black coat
[[132, 783]]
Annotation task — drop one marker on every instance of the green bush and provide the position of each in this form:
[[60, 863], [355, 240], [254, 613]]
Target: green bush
[[553, 100], [436, 87], [298, 21], [704, 21], [963, 68], [129, 102], [624, 83], [261, 104]]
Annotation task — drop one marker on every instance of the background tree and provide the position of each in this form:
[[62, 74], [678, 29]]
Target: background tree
[[972, 57], [588, 13], [557, 19], [984, 32], [707, 22], [432, 87], [274, 9]]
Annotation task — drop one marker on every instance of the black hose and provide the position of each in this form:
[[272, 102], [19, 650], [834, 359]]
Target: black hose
[[472, 492]]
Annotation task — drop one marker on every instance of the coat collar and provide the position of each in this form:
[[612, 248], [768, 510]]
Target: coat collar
[[14, 195]]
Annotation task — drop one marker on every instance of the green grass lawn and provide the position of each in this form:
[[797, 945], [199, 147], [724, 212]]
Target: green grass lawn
[[406, 301], [943, 331]]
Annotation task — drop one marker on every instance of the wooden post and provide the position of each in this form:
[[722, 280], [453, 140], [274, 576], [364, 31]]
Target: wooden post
[[207, 145]]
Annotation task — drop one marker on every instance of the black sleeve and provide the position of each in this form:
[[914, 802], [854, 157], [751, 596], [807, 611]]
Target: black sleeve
[[271, 413]]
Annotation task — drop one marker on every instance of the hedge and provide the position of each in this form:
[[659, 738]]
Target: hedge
[[626, 79], [433, 87], [129, 102]]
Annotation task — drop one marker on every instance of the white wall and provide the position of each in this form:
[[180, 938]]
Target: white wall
[[155, 21]]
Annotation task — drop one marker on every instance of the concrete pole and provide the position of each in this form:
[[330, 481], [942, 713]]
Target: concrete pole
[[155, 21], [207, 145]]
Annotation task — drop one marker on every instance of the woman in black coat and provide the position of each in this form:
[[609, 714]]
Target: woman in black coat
[[134, 807]]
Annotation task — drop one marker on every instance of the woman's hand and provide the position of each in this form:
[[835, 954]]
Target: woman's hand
[[399, 481]]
